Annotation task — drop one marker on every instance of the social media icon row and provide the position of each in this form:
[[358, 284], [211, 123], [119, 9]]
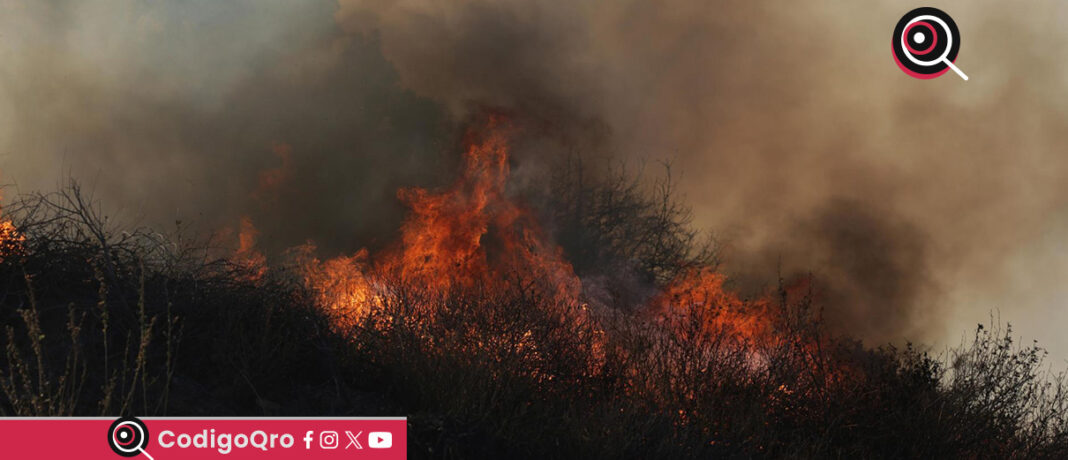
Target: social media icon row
[[375, 440]]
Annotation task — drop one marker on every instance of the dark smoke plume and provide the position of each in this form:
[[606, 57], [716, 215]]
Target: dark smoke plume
[[801, 143], [921, 205]]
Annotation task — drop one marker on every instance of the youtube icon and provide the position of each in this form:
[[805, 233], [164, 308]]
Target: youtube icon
[[380, 440]]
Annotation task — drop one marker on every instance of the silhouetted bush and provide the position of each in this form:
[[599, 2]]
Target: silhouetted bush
[[101, 321], [624, 238]]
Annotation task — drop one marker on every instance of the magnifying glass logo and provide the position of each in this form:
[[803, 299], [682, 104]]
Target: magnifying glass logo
[[128, 437], [925, 43]]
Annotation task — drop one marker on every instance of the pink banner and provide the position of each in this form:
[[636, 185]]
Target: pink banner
[[165, 438]]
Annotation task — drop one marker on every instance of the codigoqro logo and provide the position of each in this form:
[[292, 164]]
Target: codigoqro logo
[[925, 43], [128, 437]]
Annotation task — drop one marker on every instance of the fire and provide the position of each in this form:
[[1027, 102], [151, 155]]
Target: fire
[[469, 236], [11, 240], [701, 294], [340, 284], [247, 256], [473, 243], [472, 236]]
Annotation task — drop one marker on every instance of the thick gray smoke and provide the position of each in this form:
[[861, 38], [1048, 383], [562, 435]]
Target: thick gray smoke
[[800, 141], [921, 204], [205, 111]]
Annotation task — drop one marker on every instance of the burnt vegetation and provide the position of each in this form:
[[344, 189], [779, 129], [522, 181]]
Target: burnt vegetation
[[99, 320]]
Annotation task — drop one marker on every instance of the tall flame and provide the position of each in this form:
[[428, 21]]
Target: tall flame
[[473, 236]]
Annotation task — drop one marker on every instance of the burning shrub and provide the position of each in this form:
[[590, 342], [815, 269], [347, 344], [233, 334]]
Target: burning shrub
[[477, 325]]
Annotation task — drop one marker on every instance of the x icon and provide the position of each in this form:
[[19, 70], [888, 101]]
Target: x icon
[[352, 440]]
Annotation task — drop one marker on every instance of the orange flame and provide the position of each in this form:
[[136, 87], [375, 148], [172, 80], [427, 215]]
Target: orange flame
[[473, 233], [247, 256], [469, 236], [473, 237], [11, 240], [340, 284], [701, 293]]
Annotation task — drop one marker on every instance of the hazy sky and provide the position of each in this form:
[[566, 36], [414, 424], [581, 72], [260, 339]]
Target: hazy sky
[[928, 204]]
